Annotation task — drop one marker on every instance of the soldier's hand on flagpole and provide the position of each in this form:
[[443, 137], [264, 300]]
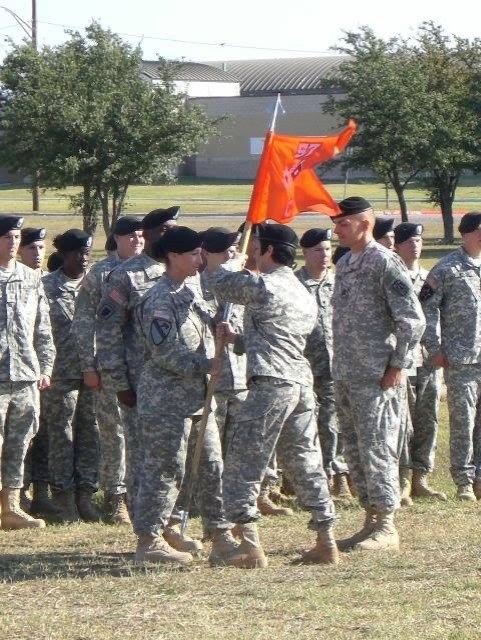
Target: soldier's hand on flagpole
[[226, 333]]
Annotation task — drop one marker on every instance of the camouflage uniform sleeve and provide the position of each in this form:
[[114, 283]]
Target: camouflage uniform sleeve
[[83, 324], [431, 297], [42, 339], [241, 287], [111, 318], [166, 349], [406, 313]]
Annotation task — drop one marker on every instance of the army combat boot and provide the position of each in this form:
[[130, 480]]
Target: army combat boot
[[180, 541], [369, 523], [421, 489], [41, 504], [325, 550], [268, 508], [223, 547], [12, 515], [151, 548], [465, 493], [64, 503], [340, 487], [249, 554], [384, 535], [115, 509], [87, 510], [405, 486]]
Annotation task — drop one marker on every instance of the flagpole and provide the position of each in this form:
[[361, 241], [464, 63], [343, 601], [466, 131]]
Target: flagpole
[[219, 343]]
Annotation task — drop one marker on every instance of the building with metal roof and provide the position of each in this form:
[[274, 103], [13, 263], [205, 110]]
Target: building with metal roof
[[195, 79]]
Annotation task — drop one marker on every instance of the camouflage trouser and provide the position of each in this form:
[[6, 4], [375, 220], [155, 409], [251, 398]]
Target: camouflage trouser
[[133, 454], [36, 461], [112, 442], [19, 412], [228, 406], [283, 414], [402, 402], [68, 407], [424, 391], [463, 384], [167, 444], [328, 427], [370, 426]]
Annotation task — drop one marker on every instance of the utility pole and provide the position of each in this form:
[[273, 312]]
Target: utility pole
[[31, 31]]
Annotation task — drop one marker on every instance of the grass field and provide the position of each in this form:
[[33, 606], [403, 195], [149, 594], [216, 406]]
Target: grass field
[[78, 582]]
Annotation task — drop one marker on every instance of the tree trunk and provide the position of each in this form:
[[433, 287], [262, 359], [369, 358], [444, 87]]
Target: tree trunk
[[89, 213], [446, 203], [103, 195], [399, 187]]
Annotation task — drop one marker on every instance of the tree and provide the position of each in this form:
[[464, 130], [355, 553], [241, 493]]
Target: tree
[[381, 86], [83, 114]]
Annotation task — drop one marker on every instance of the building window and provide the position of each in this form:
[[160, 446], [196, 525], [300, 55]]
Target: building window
[[256, 145]]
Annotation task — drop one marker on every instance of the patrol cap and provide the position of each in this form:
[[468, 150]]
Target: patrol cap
[[177, 240], [10, 223], [126, 225], [353, 205], [407, 230], [338, 253], [313, 236], [30, 234], [72, 240], [277, 234], [218, 239], [470, 222], [110, 244], [157, 217], [382, 226]]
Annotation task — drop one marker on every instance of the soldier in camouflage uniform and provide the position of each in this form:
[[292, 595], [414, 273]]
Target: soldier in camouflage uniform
[[424, 383], [317, 277], [121, 349], [377, 322], [451, 297], [128, 238], [180, 353], [26, 360], [280, 408], [68, 406]]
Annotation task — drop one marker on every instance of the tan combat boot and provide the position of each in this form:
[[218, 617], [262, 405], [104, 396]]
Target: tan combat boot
[[384, 535], [325, 550], [465, 493], [151, 548], [25, 500], [477, 488], [405, 486], [340, 487], [368, 527], [64, 503], [268, 508], [180, 541], [249, 554], [115, 509], [421, 489], [41, 504], [87, 510], [12, 516], [223, 547]]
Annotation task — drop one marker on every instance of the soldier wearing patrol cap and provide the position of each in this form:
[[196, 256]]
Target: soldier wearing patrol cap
[[316, 275], [424, 384], [69, 406], [451, 299], [26, 356], [128, 241], [377, 322]]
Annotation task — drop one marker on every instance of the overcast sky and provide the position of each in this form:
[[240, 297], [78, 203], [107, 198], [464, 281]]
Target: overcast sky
[[209, 29]]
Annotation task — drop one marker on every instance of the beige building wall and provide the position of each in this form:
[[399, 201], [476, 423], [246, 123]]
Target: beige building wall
[[234, 155]]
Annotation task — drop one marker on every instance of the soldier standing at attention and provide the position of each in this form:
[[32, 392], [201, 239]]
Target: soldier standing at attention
[[175, 322], [26, 360], [69, 406], [316, 275], [425, 381], [32, 252], [280, 408], [129, 241], [451, 298], [377, 322]]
